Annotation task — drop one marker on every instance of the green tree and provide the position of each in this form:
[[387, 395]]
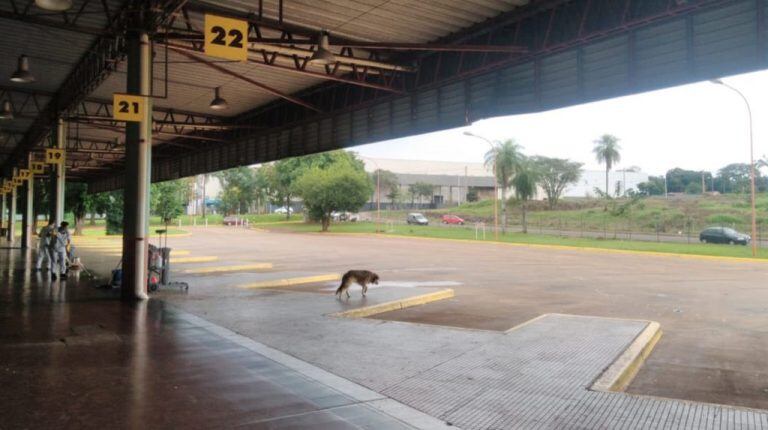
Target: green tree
[[606, 152], [504, 160], [167, 199], [555, 175], [99, 205], [420, 190], [239, 189], [654, 186], [389, 184], [339, 187], [283, 175], [79, 202], [115, 212], [735, 178], [526, 177]]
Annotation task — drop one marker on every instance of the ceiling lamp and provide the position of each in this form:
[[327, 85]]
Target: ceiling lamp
[[218, 103], [6, 112], [54, 5], [323, 56], [22, 75]]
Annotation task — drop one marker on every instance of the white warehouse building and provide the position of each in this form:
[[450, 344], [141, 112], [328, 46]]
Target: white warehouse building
[[451, 179]]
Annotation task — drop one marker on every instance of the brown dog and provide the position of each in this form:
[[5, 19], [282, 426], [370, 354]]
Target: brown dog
[[360, 277]]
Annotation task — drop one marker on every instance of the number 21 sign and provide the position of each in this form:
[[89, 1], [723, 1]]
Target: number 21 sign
[[226, 38], [127, 107]]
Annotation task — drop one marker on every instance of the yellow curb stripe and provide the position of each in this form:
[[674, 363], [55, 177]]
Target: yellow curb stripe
[[238, 268], [174, 253], [202, 259], [560, 247], [621, 373], [396, 304], [287, 282]]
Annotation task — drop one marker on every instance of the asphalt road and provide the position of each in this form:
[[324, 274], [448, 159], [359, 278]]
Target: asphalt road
[[714, 313]]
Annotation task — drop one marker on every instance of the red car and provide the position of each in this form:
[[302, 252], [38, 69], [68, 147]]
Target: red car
[[452, 219]]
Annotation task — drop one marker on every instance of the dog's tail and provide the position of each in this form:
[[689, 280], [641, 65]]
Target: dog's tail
[[344, 280]]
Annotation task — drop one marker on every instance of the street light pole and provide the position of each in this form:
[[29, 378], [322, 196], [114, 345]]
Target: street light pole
[[495, 186], [751, 161], [378, 193]]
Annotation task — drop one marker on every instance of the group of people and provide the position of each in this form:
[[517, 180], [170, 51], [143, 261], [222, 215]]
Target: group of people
[[53, 244]]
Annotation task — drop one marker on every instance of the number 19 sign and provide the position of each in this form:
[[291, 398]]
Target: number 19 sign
[[226, 38], [127, 107], [54, 156]]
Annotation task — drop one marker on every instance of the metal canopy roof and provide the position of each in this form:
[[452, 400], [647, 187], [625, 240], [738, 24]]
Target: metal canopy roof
[[405, 67]]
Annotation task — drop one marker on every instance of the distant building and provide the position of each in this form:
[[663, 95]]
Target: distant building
[[450, 180], [617, 179]]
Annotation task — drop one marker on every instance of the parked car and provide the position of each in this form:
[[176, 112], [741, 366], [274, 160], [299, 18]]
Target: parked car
[[283, 210], [723, 235], [417, 218], [230, 220], [345, 216], [452, 219]]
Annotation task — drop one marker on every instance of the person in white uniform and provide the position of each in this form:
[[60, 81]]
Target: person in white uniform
[[58, 247], [43, 251]]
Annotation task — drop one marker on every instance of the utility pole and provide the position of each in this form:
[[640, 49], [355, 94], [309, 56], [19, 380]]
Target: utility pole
[[703, 184]]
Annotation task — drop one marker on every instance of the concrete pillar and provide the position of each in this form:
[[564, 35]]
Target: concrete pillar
[[138, 159], [12, 212], [58, 176], [28, 213], [2, 208]]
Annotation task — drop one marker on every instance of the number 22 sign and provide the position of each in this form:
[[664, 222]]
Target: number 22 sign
[[127, 107], [226, 38]]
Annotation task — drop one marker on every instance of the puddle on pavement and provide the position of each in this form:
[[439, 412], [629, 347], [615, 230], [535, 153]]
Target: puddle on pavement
[[398, 284]]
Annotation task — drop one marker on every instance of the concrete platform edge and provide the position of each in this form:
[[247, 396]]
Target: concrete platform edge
[[396, 304], [380, 402], [621, 372]]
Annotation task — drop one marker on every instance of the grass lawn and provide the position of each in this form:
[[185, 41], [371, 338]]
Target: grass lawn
[[468, 233], [685, 214]]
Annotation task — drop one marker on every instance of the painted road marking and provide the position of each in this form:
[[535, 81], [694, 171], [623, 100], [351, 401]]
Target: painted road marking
[[174, 253], [203, 259], [236, 268], [274, 283]]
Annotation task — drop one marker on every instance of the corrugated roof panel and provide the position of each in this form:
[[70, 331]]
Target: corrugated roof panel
[[374, 20]]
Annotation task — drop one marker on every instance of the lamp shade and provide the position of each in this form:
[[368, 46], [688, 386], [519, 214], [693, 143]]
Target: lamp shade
[[6, 112], [22, 74], [54, 5], [218, 102], [323, 56]]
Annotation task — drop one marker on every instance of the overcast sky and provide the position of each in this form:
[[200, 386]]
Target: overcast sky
[[698, 127]]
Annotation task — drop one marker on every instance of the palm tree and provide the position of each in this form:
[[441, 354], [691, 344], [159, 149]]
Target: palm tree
[[504, 159], [607, 151], [525, 180]]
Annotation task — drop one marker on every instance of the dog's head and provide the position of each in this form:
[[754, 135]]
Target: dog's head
[[375, 279]]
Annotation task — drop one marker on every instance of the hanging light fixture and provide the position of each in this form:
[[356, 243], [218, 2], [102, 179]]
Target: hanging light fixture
[[218, 103], [22, 75], [54, 5], [6, 112], [323, 56]]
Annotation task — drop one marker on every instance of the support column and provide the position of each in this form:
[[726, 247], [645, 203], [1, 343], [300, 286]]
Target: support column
[[58, 176], [2, 208], [138, 158], [12, 212], [28, 214]]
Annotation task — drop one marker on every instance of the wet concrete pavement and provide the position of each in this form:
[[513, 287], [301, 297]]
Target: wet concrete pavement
[[714, 313], [73, 356]]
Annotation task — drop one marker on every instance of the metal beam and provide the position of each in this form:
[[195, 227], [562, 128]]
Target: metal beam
[[255, 83]]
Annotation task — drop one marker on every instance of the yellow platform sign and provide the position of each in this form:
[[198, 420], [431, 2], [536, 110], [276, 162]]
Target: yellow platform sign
[[37, 167], [128, 107], [54, 156], [226, 38], [24, 174]]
